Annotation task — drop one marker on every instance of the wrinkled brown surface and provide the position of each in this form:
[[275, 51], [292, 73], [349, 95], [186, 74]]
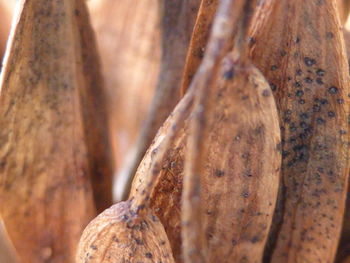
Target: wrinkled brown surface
[[118, 235], [46, 145], [306, 67]]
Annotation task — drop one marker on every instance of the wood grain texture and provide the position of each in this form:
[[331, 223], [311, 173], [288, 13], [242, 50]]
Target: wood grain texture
[[306, 67], [47, 151]]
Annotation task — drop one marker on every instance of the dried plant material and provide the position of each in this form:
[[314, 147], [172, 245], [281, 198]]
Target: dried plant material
[[305, 64], [7, 251], [132, 223], [47, 148], [165, 198], [118, 235], [199, 40], [177, 19]]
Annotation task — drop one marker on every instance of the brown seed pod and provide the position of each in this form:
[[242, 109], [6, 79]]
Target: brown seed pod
[[306, 67], [127, 220], [224, 240], [47, 151], [199, 41], [119, 235]]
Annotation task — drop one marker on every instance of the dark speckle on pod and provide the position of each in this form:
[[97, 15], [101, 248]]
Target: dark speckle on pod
[[320, 72], [229, 74], [273, 87], [309, 61], [266, 93], [333, 90], [299, 93], [219, 173]]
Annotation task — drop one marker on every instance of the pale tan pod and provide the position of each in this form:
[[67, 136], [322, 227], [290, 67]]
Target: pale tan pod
[[306, 67], [47, 157], [118, 235]]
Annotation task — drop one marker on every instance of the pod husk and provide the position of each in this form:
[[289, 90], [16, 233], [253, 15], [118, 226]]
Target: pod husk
[[51, 109], [306, 67], [118, 235]]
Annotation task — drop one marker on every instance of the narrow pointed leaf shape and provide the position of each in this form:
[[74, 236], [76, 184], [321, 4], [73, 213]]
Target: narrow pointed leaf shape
[[305, 64], [46, 150]]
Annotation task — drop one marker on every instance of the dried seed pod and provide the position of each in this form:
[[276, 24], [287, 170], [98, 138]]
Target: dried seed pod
[[306, 67], [199, 40], [242, 197], [47, 151], [119, 235], [132, 223]]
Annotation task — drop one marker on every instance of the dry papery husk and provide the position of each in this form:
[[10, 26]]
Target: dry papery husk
[[51, 118], [120, 235], [306, 67], [241, 176]]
